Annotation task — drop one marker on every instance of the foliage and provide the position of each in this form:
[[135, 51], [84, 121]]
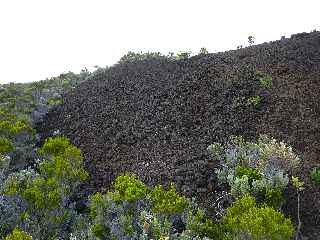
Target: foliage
[[37, 199], [54, 101], [315, 175], [183, 55], [203, 51], [168, 202], [274, 198], [255, 168], [265, 80], [133, 57], [155, 214], [245, 220], [6, 145], [18, 234], [297, 183], [47, 192], [11, 209], [141, 56], [9, 128], [254, 100], [251, 40], [128, 188], [202, 226], [251, 173]]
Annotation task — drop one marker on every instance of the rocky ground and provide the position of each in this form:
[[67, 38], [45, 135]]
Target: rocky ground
[[156, 117]]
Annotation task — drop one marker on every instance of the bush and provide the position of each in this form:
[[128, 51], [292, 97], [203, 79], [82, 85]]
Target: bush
[[202, 226], [147, 213], [47, 193], [18, 234], [133, 57], [5, 145], [254, 100], [260, 168], [167, 202], [251, 173], [129, 188], [59, 146], [11, 128], [266, 82], [245, 220], [315, 176]]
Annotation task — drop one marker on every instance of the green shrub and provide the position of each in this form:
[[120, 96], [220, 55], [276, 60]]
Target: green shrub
[[133, 57], [97, 201], [9, 127], [254, 101], [255, 168], [167, 202], [203, 51], [129, 188], [48, 192], [266, 82], [18, 234], [5, 145], [251, 173], [273, 198], [245, 220], [183, 55], [204, 227], [54, 101], [60, 146], [315, 176], [99, 231]]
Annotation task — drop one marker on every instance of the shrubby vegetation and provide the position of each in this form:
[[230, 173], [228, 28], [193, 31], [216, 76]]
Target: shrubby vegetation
[[246, 220], [142, 56], [18, 235], [315, 175], [260, 169], [45, 191]]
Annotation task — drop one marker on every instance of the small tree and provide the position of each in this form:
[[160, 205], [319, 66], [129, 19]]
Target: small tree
[[298, 185], [251, 40]]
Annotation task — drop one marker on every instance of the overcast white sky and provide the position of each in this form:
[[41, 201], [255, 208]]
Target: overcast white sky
[[43, 38]]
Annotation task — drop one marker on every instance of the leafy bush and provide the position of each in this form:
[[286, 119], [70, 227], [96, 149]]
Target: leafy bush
[[251, 173], [46, 193], [11, 209], [183, 55], [133, 57], [167, 202], [245, 220], [258, 168], [315, 176], [254, 100], [201, 226], [146, 213], [18, 234], [10, 128], [128, 188], [54, 101], [203, 51], [5, 145], [266, 82]]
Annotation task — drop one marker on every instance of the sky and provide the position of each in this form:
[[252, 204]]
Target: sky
[[40, 39]]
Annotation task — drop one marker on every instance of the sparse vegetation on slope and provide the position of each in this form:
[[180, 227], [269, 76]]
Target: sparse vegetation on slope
[[147, 121]]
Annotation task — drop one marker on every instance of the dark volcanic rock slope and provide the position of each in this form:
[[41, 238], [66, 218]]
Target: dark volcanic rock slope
[[157, 117]]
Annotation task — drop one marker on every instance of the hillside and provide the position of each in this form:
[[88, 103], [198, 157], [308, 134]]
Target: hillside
[[156, 117]]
